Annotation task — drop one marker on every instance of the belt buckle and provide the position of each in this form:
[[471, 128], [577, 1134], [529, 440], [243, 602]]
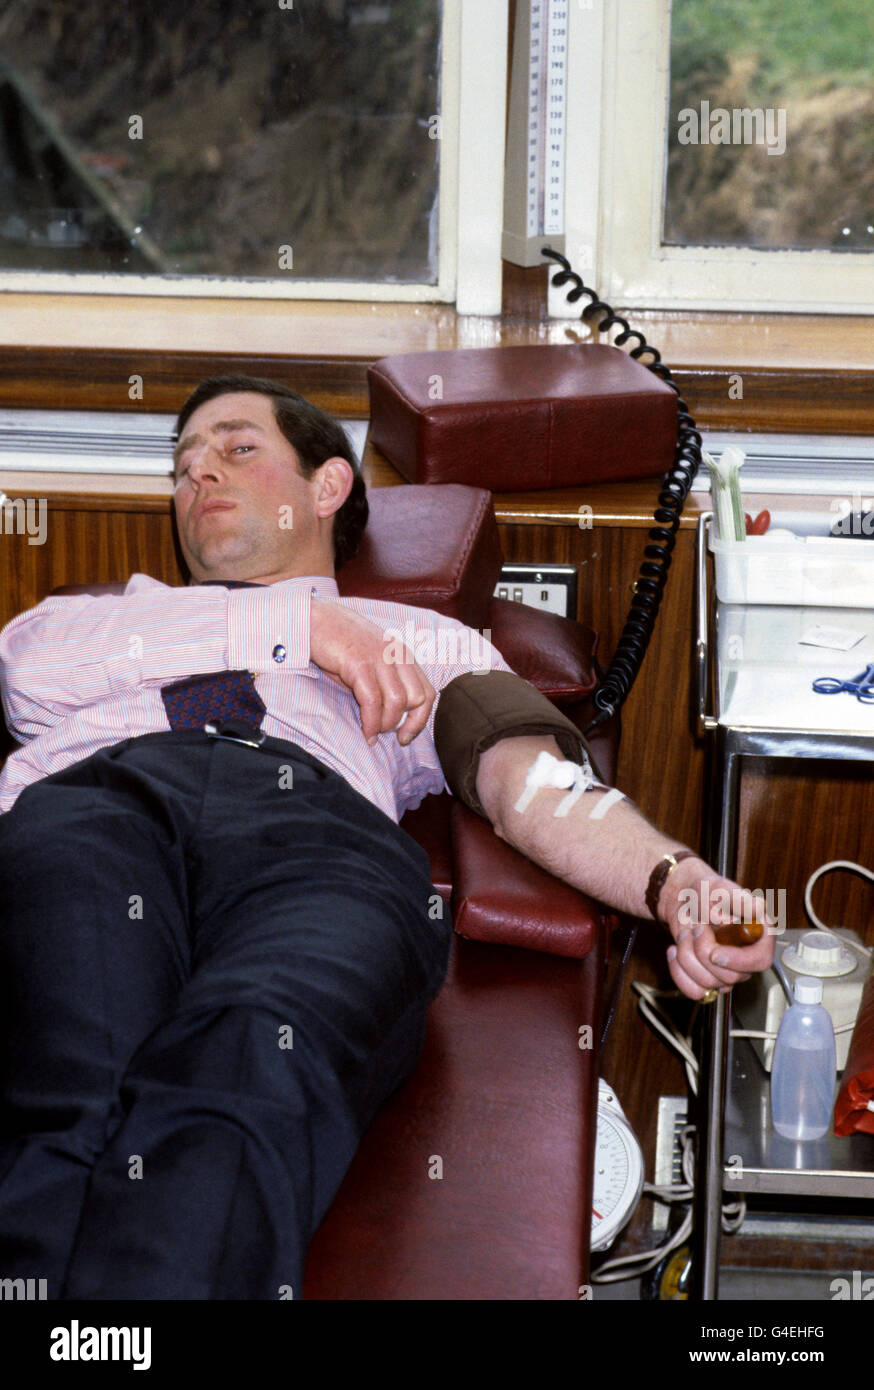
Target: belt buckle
[[235, 731]]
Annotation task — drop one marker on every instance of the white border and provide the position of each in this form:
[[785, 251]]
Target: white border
[[482, 121]]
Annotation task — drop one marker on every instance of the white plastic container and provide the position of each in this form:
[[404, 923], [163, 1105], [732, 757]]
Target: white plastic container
[[759, 1002], [807, 571], [803, 1073]]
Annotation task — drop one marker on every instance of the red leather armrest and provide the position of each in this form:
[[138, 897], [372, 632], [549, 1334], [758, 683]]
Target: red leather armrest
[[522, 418], [557, 655], [501, 897], [433, 547]]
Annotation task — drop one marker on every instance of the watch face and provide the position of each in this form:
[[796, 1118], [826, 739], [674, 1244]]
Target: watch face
[[618, 1174]]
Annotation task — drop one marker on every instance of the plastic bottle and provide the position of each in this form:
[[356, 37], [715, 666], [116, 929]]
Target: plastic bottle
[[803, 1071]]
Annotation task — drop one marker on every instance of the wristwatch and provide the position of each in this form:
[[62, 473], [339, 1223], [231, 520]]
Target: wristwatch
[[659, 877]]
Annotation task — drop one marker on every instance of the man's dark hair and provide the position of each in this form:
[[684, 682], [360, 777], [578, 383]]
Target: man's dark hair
[[314, 436]]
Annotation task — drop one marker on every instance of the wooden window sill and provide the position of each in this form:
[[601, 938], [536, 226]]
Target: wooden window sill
[[801, 373]]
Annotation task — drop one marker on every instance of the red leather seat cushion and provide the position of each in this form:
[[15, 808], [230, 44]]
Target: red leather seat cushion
[[517, 418], [504, 1096]]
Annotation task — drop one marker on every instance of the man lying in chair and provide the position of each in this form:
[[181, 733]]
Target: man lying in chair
[[217, 945]]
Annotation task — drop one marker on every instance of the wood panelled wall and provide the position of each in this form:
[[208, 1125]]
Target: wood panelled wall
[[778, 398]]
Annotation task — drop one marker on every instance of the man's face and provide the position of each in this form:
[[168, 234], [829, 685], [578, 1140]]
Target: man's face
[[242, 507]]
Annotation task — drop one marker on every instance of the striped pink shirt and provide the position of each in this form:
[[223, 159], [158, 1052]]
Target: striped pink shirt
[[82, 672]]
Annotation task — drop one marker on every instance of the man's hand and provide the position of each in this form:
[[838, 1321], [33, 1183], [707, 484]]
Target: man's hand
[[352, 651], [692, 903]]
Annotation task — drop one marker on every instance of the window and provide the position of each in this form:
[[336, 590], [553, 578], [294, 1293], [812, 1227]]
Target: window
[[217, 139], [269, 148], [123, 445], [721, 156], [770, 121]]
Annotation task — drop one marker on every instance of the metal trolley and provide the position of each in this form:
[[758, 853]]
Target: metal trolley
[[762, 707]]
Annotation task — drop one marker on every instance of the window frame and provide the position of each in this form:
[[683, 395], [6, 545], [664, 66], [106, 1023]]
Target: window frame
[[614, 204]]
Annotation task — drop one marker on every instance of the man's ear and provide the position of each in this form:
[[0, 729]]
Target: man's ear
[[333, 479]]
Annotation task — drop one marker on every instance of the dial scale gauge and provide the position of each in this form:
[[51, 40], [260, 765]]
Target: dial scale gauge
[[618, 1170]]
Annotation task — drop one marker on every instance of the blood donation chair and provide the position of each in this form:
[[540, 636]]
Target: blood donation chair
[[475, 1179]]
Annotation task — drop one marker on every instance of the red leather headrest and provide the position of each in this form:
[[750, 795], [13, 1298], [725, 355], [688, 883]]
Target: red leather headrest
[[435, 547]]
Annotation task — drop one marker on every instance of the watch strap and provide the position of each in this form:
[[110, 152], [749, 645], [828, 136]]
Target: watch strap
[[659, 877]]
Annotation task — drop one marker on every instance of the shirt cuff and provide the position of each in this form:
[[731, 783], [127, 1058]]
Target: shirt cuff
[[269, 630]]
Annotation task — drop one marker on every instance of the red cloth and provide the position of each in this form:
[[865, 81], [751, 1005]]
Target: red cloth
[[857, 1086]]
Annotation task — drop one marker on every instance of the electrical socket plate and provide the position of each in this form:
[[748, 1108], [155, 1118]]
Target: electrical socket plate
[[551, 588]]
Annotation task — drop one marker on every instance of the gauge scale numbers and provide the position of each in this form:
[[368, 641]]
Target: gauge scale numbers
[[618, 1171]]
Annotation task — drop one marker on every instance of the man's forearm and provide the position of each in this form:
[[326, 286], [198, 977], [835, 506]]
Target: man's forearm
[[611, 859]]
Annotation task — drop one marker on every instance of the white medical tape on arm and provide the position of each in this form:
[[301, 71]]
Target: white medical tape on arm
[[603, 806], [548, 771]]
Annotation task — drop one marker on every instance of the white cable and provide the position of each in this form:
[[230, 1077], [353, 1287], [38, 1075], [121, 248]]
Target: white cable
[[733, 1214], [647, 997], [613, 1270], [808, 904], [673, 1192]]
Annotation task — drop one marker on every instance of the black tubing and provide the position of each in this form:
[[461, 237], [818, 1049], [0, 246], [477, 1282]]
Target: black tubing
[[621, 674]]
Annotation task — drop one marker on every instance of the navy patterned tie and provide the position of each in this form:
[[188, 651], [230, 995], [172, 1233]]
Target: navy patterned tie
[[219, 695]]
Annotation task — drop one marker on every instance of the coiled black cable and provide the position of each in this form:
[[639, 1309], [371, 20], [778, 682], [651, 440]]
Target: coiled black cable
[[621, 674]]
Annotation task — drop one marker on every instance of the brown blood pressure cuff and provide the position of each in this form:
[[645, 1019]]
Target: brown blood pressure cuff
[[478, 709]]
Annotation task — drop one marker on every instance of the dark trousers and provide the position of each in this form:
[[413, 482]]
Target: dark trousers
[[215, 962]]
